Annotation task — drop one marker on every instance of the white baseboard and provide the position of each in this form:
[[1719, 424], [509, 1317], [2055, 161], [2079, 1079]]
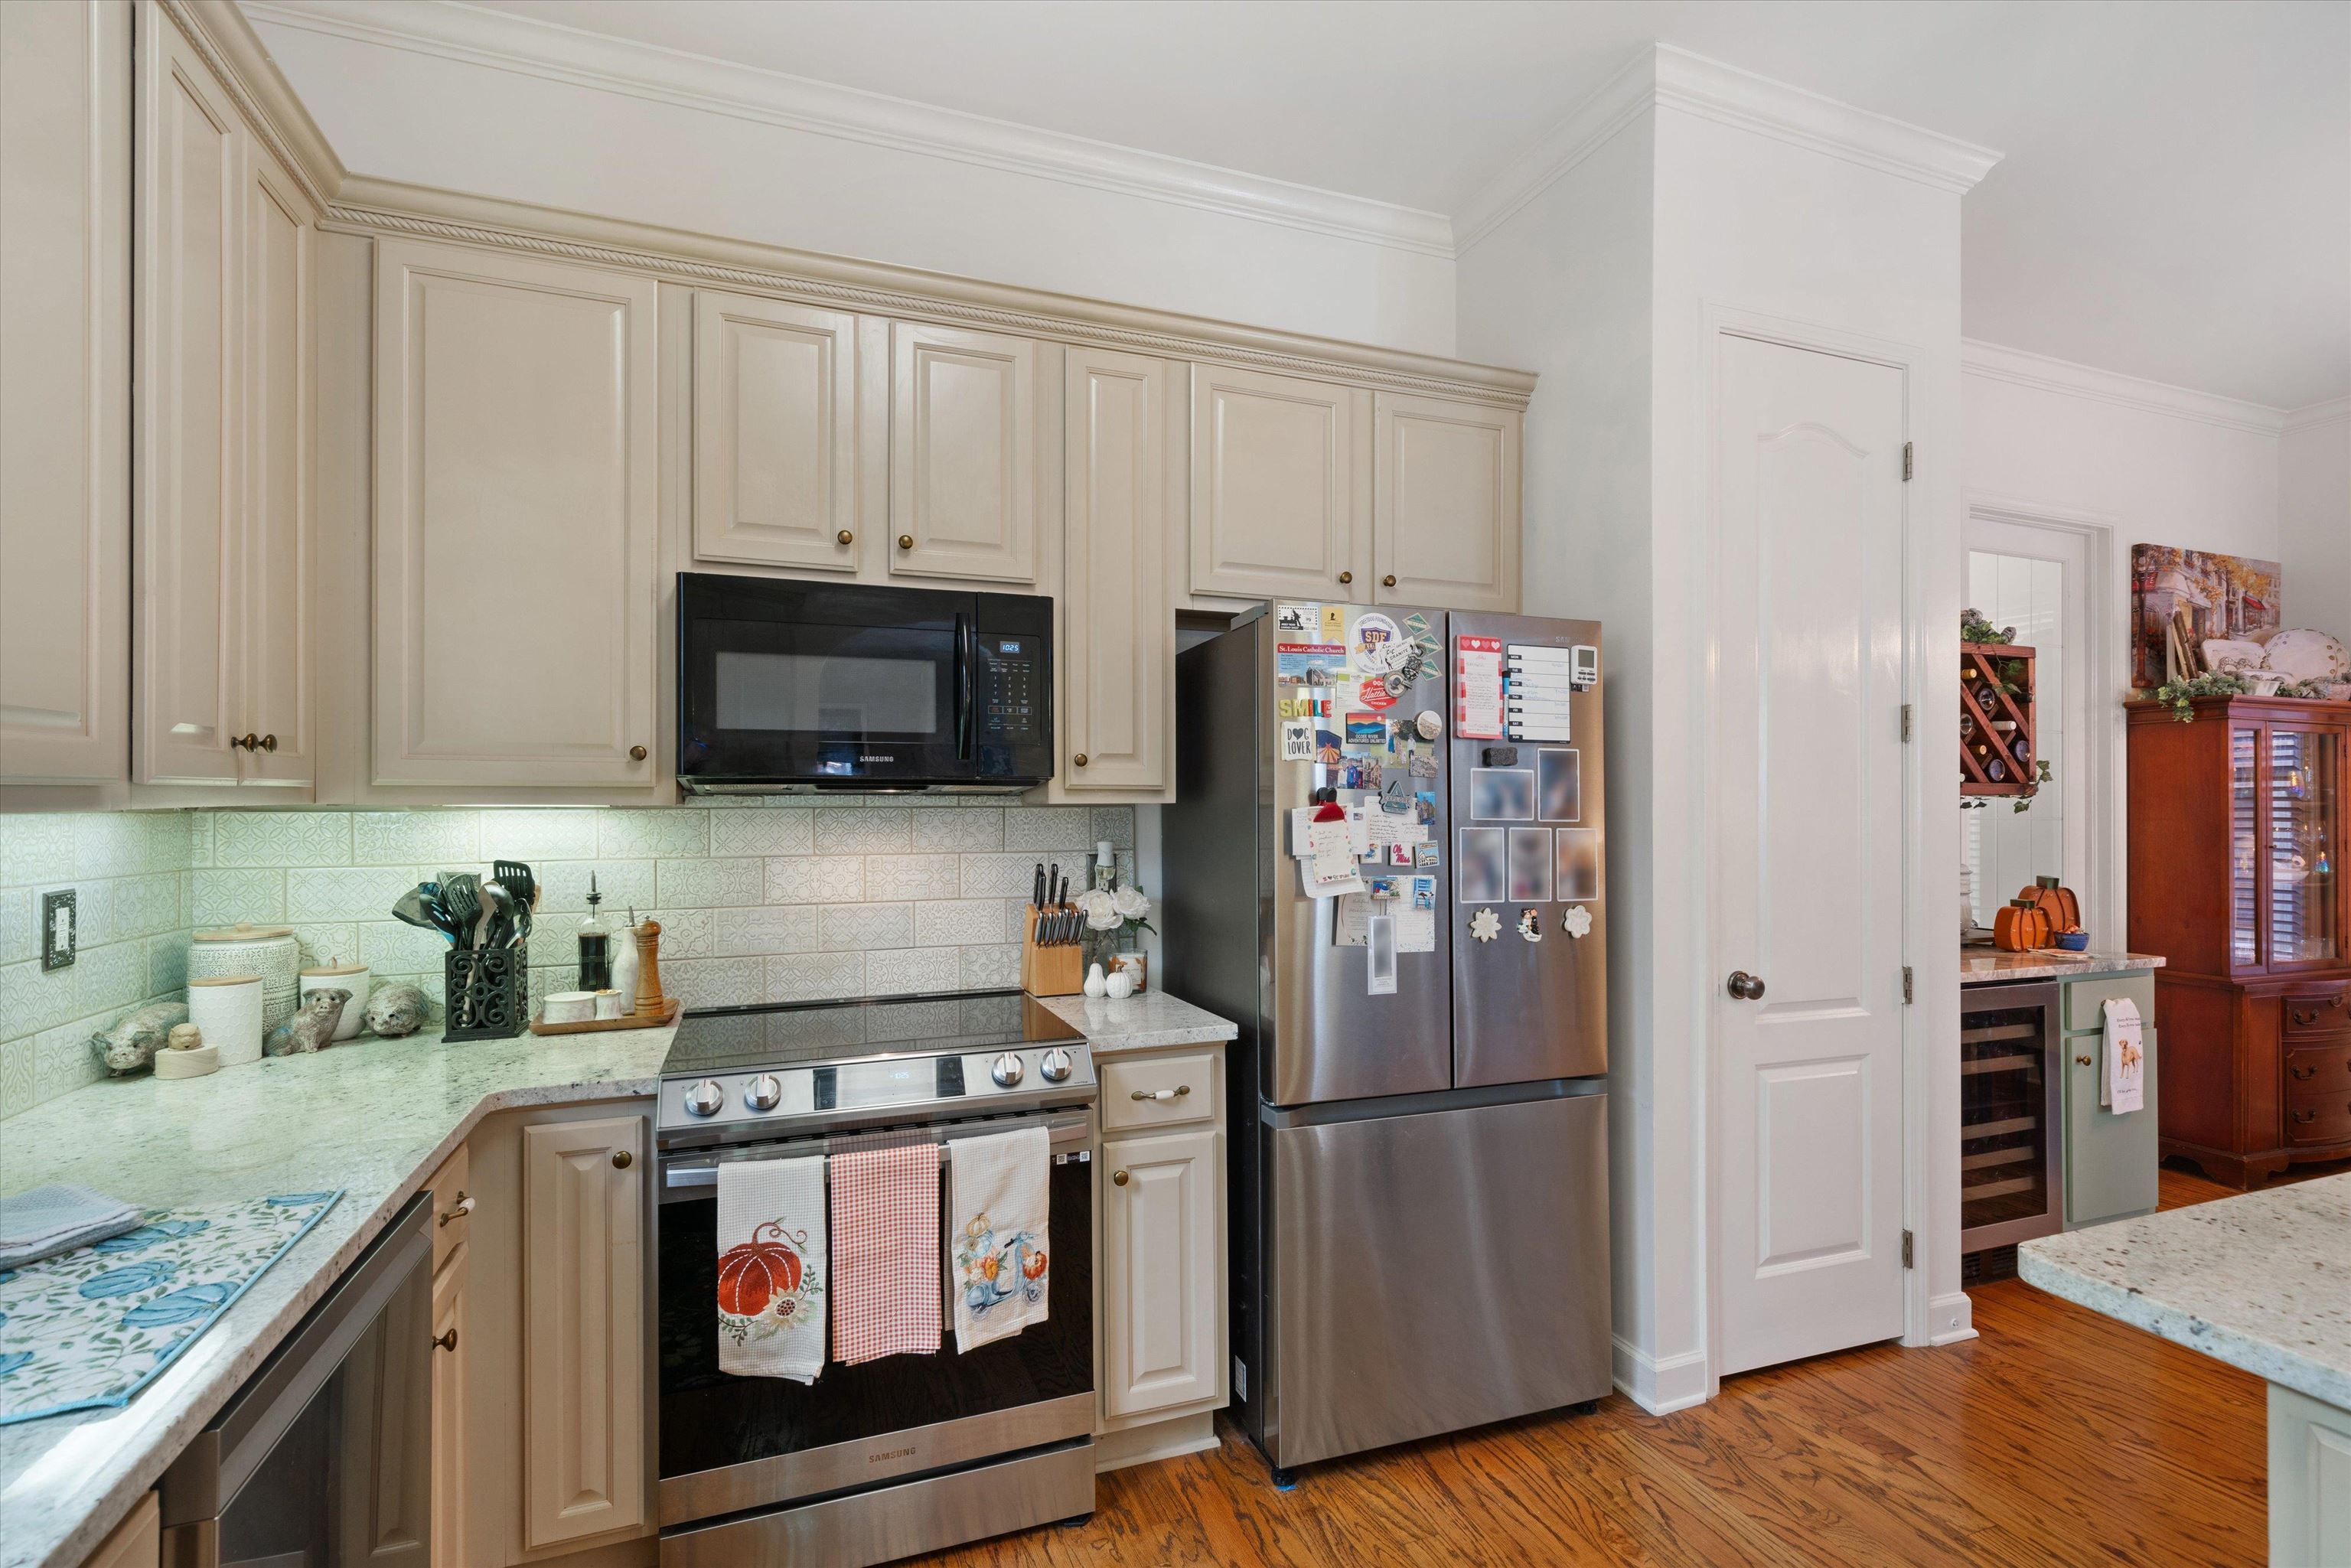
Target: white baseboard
[[1194, 1434], [1660, 1387], [1950, 1319]]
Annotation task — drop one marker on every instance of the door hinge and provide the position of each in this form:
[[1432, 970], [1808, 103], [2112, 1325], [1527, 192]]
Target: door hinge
[[1906, 462], [1906, 986], [1906, 723], [1906, 1263]]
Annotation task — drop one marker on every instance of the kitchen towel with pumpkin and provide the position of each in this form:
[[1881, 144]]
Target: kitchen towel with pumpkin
[[997, 1270], [772, 1268]]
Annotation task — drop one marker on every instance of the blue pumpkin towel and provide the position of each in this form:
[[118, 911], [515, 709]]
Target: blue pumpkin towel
[[91, 1329]]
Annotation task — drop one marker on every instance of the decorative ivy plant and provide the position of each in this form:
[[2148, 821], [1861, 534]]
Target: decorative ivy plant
[[2182, 695], [1974, 628]]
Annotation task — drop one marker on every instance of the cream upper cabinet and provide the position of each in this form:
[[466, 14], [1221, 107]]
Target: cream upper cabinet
[[1163, 1271], [1282, 486], [277, 533], [1445, 504], [515, 517], [65, 392], [584, 1338], [775, 434], [1122, 441], [964, 433]]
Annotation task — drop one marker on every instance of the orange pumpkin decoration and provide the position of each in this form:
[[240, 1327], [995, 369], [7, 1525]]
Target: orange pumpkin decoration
[[1033, 1266], [2021, 927], [755, 1272]]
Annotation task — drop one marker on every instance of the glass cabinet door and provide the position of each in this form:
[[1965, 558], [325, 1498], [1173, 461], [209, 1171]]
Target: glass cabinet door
[[2244, 848], [2304, 846]]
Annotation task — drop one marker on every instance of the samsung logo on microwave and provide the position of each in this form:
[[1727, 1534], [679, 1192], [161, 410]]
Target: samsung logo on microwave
[[875, 756]]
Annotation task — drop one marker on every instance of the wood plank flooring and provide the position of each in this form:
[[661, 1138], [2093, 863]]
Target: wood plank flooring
[[2056, 1437]]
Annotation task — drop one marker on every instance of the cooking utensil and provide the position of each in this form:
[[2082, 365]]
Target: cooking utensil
[[461, 897], [520, 882], [414, 909], [1037, 898], [501, 918]]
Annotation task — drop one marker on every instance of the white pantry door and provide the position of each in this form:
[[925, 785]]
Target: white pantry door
[[1808, 877]]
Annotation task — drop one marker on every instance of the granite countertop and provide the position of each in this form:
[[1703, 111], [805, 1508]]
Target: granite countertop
[[373, 1117], [2261, 1281], [1983, 966]]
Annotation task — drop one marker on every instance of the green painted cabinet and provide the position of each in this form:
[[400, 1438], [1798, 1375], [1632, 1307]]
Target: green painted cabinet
[[2110, 1160]]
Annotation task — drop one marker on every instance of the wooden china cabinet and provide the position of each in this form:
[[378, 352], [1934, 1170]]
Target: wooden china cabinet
[[2237, 823]]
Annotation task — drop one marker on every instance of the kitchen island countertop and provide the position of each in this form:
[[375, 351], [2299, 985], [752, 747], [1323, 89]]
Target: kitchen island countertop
[[1987, 966]]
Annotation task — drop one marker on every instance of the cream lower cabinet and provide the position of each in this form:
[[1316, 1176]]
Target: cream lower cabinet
[[1445, 504], [1162, 1174], [557, 1384], [1281, 487], [517, 467], [1123, 476], [136, 1542], [453, 1211], [65, 392]]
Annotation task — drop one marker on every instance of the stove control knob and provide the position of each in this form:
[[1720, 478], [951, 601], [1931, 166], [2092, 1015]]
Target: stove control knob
[[706, 1098], [1007, 1070], [1056, 1065], [764, 1093]]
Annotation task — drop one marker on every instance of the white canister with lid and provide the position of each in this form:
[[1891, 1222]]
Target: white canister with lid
[[351, 977], [228, 1011], [268, 951]]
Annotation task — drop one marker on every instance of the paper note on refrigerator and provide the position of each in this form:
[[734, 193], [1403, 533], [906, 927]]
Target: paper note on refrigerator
[[1351, 920], [1329, 866], [1415, 930], [1478, 687]]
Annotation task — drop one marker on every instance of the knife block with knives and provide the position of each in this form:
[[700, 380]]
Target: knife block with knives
[[1052, 940]]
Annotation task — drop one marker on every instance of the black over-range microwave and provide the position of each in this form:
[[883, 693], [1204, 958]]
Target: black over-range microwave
[[786, 685]]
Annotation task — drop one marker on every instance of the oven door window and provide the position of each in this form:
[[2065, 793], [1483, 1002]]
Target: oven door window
[[808, 699], [710, 1420]]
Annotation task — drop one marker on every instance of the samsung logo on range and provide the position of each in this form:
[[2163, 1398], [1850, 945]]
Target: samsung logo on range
[[876, 757]]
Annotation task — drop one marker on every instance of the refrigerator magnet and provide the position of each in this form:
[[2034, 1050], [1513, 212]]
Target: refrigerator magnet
[[1424, 857], [1485, 926], [1429, 723], [1578, 854], [1380, 962], [1502, 794], [1297, 741], [1484, 865], [1303, 620], [1530, 924], [1559, 784], [1577, 921], [1367, 731], [1530, 864]]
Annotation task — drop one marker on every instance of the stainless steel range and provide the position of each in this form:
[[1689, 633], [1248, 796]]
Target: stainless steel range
[[910, 1453]]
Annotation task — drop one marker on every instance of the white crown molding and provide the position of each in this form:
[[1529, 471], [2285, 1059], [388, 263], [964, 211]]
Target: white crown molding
[[499, 41], [2043, 374], [2318, 414], [219, 32], [1662, 76]]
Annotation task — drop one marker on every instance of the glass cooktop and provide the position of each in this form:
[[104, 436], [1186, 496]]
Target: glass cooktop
[[724, 1040]]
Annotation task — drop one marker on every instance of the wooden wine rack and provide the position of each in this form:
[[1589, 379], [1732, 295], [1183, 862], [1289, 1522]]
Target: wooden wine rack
[[1995, 761]]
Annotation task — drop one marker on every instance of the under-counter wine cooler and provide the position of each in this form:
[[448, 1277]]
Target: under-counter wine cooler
[[2010, 1187]]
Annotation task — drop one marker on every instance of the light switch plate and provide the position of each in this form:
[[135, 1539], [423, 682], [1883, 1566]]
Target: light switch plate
[[57, 929]]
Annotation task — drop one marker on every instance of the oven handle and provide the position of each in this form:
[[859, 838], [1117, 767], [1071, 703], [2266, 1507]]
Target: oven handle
[[1071, 1130], [967, 656]]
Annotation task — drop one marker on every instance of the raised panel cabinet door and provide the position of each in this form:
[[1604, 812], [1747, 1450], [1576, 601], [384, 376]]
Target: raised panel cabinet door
[[277, 546], [1162, 1272], [775, 433], [1445, 504], [185, 597], [1118, 641], [516, 469], [449, 1352], [584, 1333], [1281, 487], [65, 392], [136, 1542], [962, 454]]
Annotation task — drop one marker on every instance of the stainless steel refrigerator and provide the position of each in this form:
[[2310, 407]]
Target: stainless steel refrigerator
[[1418, 1180]]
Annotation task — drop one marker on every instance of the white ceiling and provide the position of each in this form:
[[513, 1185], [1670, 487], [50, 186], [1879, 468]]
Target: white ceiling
[[2175, 200]]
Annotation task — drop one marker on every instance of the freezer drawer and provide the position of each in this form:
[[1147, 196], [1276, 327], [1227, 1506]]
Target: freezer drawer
[[1436, 1272]]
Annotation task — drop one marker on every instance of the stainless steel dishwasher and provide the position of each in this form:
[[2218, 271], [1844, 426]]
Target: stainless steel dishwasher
[[324, 1457]]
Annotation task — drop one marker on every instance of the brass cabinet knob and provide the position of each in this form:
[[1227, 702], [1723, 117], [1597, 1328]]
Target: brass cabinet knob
[[1388, 582], [2081, 1061], [844, 536], [636, 754], [905, 541], [1346, 577], [1080, 760], [1118, 1178], [445, 1342], [248, 741], [1747, 988], [268, 743], [622, 1159]]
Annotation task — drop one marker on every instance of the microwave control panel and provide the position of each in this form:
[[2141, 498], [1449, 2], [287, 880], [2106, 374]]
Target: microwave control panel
[[1011, 688]]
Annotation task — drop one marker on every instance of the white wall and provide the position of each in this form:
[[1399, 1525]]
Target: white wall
[[394, 111], [2315, 516]]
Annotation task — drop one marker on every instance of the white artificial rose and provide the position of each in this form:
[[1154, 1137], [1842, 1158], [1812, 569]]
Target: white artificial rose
[[1100, 909], [1131, 904]]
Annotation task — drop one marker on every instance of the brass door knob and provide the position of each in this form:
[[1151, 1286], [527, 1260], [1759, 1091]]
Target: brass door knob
[[905, 541], [1747, 988], [622, 1159], [268, 743], [636, 754], [1080, 760], [844, 536], [1118, 1178], [445, 1342], [1388, 582], [1346, 577]]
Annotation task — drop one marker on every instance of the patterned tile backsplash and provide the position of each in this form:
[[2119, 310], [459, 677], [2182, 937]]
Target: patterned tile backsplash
[[758, 901]]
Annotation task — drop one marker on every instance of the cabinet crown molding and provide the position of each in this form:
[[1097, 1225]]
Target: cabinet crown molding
[[371, 205], [227, 43]]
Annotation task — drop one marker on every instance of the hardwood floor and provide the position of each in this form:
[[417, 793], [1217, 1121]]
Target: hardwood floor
[[2054, 1437]]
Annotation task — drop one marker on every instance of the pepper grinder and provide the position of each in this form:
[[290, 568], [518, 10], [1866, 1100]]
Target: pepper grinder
[[650, 1000]]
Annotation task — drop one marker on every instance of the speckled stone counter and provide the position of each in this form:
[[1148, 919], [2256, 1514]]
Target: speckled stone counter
[[1146, 1022], [2261, 1281], [1985, 966]]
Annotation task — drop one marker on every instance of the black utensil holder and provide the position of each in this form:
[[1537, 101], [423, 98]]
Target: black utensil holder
[[487, 992]]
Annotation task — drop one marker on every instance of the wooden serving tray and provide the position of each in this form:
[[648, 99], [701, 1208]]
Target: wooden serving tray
[[598, 1026]]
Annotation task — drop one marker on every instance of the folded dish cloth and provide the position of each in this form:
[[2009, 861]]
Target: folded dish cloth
[[48, 1221], [772, 1265], [2123, 1087], [886, 1241], [998, 1267]]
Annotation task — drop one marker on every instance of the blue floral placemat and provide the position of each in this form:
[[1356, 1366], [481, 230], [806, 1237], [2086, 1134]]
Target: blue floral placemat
[[89, 1330]]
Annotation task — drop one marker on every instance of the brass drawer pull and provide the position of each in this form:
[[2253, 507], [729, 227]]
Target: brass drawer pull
[[465, 1207], [2306, 1116], [2303, 1074], [1161, 1094]]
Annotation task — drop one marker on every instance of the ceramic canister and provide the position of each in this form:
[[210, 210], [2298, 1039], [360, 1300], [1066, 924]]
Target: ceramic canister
[[351, 977], [268, 951], [227, 1010]]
